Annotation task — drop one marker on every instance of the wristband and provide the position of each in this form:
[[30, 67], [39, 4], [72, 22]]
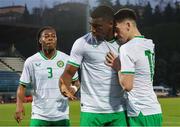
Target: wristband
[[75, 88]]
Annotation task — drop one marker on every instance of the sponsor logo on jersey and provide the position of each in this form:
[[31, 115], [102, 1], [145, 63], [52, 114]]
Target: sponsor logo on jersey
[[38, 64], [60, 63]]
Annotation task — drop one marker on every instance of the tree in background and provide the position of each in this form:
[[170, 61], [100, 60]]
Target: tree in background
[[147, 16], [168, 14], [26, 16], [105, 2], [177, 12], [157, 16]]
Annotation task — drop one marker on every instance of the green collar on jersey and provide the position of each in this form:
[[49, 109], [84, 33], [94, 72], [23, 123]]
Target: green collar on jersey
[[42, 54], [112, 41], [142, 36]]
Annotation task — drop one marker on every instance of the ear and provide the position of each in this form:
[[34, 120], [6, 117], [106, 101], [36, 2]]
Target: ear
[[40, 40], [128, 25]]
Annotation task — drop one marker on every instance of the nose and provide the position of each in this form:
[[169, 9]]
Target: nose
[[50, 39], [93, 30]]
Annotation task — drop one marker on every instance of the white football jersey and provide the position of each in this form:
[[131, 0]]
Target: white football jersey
[[137, 57], [100, 90], [43, 74]]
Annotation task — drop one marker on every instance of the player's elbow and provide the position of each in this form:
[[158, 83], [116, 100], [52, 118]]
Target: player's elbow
[[126, 82], [127, 86]]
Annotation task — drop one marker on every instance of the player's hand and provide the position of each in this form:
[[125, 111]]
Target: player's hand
[[67, 91], [19, 114], [74, 89], [112, 61]]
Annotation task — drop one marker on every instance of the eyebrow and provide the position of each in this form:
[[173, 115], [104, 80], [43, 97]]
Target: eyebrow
[[95, 24], [50, 33]]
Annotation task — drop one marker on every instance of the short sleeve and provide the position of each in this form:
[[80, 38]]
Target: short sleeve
[[76, 55], [127, 61], [75, 77], [25, 78]]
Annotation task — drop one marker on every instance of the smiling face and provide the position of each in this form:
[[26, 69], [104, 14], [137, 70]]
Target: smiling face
[[48, 40]]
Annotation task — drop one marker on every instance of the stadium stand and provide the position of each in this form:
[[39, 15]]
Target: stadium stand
[[10, 70], [4, 67], [8, 85], [14, 63], [8, 81]]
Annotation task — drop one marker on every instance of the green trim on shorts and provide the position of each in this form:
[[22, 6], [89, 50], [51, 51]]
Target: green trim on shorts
[[149, 120], [103, 119], [38, 122]]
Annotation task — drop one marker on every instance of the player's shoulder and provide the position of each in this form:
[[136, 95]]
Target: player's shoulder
[[32, 58], [142, 42], [81, 43], [62, 54], [139, 40], [126, 45], [134, 42], [129, 46], [84, 39]]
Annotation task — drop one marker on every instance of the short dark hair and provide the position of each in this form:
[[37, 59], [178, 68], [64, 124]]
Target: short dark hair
[[40, 32], [125, 13], [104, 12]]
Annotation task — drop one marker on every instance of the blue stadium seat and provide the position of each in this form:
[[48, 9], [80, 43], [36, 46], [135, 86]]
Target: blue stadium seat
[[9, 81]]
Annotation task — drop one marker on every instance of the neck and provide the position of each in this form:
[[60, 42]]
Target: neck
[[135, 32], [109, 38], [49, 53]]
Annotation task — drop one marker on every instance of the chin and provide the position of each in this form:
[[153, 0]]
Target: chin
[[121, 41], [49, 49], [124, 41], [100, 38]]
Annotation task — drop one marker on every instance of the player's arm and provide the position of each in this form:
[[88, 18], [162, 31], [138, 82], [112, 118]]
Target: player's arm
[[19, 114], [126, 74], [126, 81], [66, 80], [25, 79], [72, 66]]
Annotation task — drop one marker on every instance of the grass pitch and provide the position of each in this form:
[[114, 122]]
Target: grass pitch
[[170, 107]]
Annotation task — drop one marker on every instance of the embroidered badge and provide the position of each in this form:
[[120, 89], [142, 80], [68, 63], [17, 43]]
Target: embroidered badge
[[60, 63]]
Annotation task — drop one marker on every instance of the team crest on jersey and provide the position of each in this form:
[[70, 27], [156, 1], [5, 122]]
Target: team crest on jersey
[[60, 63]]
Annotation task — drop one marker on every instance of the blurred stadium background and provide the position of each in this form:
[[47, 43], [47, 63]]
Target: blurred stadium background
[[157, 19]]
